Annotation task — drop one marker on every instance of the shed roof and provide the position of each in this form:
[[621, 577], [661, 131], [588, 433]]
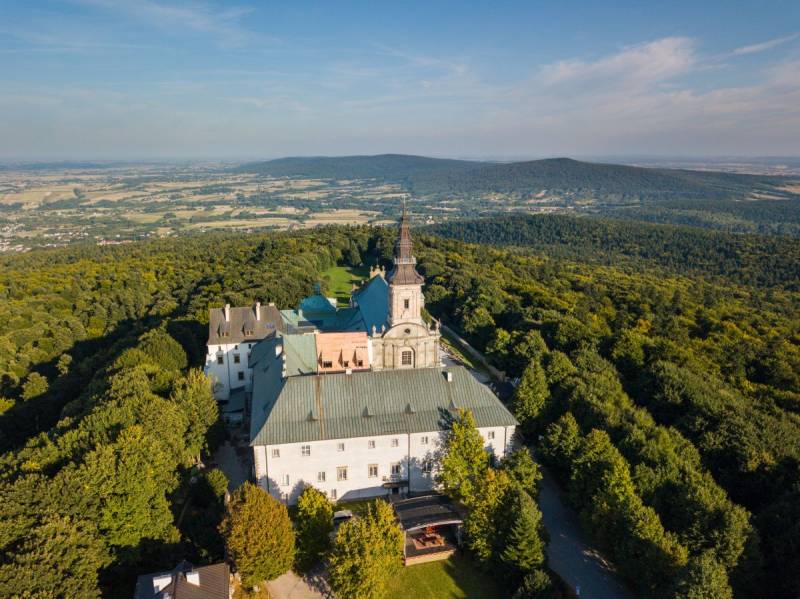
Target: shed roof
[[339, 406]]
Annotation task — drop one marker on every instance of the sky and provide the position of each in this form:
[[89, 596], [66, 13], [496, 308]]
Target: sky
[[198, 79]]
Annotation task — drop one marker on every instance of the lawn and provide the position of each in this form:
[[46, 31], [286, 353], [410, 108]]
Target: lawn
[[456, 577], [340, 280]]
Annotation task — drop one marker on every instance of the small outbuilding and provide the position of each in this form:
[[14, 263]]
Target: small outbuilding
[[432, 527]]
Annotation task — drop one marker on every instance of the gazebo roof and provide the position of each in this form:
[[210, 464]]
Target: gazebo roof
[[430, 510]]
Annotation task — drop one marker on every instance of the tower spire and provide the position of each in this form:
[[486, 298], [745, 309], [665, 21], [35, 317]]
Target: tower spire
[[404, 271]]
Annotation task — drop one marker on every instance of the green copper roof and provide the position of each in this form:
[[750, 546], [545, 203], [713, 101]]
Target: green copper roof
[[340, 406]]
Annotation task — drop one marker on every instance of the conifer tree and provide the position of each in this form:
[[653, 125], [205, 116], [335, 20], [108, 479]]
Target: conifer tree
[[529, 396], [522, 543]]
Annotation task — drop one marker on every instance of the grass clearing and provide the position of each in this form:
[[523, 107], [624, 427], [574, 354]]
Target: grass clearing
[[340, 280], [457, 577]]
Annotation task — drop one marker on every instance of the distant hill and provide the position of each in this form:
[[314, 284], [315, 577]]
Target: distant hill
[[400, 168], [434, 176]]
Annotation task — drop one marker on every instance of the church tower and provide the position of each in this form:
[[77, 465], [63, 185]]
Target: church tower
[[405, 283]]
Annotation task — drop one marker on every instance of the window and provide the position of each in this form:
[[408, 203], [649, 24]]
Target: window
[[237, 359], [372, 471], [406, 303], [249, 346], [395, 442], [241, 375], [360, 363], [248, 332], [346, 364], [427, 466], [333, 494], [405, 358], [340, 447], [276, 453], [396, 468], [490, 435], [341, 473], [285, 480], [220, 359], [320, 477], [371, 444], [423, 440], [305, 450], [235, 347], [327, 364]]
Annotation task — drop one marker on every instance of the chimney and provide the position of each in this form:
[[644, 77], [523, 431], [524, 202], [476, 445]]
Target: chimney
[[348, 371], [227, 311], [258, 310], [193, 578], [161, 582], [449, 376]]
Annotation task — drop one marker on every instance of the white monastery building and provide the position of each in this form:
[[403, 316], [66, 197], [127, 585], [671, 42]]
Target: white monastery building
[[354, 401]]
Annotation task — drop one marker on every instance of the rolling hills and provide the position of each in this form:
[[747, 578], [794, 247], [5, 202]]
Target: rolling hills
[[425, 176]]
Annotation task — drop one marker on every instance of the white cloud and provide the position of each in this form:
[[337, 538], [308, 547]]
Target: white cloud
[[222, 23], [764, 46]]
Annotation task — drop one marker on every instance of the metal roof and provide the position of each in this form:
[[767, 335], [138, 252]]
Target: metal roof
[[429, 510], [361, 404]]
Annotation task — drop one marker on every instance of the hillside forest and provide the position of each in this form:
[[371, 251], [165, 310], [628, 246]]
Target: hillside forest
[[664, 395]]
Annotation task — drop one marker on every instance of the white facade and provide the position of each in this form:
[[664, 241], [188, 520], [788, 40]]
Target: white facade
[[226, 366], [368, 462]]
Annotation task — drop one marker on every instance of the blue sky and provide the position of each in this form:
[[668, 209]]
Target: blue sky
[[135, 79]]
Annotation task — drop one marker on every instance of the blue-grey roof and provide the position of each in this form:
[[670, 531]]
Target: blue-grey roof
[[370, 307], [372, 301], [340, 406]]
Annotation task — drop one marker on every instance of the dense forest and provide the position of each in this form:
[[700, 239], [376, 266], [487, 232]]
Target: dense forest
[[665, 398], [747, 259], [763, 217], [439, 177], [103, 412], [667, 404]]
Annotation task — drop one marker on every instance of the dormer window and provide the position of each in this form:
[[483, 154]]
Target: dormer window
[[327, 364]]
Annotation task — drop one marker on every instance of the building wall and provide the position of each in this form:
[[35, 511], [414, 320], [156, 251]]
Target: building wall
[[421, 341], [410, 453], [398, 294], [225, 376]]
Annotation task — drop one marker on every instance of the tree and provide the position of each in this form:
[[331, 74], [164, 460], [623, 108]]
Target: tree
[[520, 466], [537, 584], [561, 441], [522, 545], [464, 458], [482, 520], [35, 385], [196, 399], [703, 578], [367, 553], [60, 558], [313, 523], [529, 396], [258, 535]]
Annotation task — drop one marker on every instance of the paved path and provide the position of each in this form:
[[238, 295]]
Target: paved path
[[569, 552], [291, 586], [231, 465]]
